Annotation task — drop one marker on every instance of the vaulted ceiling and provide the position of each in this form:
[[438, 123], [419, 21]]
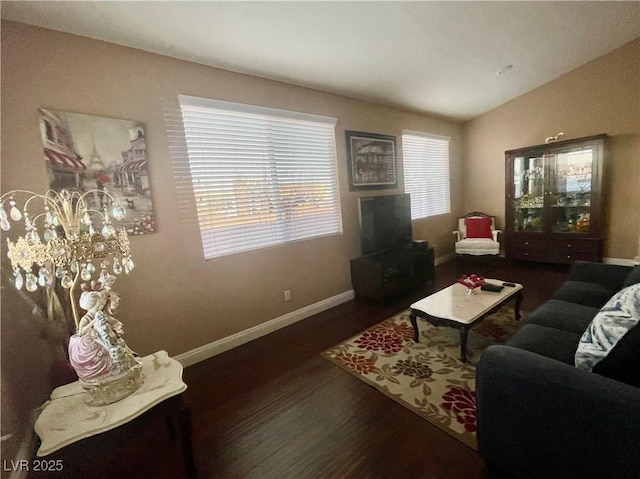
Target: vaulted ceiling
[[451, 59]]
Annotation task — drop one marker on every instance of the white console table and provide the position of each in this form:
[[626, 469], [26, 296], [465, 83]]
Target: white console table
[[67, 418]]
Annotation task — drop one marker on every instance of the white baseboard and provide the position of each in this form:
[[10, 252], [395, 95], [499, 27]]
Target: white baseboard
[[220, 346], [621, 261]]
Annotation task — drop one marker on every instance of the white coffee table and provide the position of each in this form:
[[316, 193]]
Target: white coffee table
[[454, 308]]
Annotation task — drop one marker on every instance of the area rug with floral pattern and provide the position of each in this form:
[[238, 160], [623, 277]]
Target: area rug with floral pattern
[[426, 377]]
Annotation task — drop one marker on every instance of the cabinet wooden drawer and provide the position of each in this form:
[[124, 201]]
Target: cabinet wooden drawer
[[568, 251], [527, 244], [526, 248], [527, 254]]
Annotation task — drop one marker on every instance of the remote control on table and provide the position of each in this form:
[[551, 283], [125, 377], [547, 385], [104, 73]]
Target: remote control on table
[[491, 287], [507, 283]]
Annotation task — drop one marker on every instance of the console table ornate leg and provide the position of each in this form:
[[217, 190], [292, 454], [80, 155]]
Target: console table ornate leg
[[414, 323], [184, 420], [464, 333]]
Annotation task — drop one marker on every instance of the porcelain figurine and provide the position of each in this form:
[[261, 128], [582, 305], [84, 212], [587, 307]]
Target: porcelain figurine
[[104, 363]]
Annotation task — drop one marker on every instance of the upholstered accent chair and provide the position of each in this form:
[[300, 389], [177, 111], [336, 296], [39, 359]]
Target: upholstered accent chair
[[476, 235]]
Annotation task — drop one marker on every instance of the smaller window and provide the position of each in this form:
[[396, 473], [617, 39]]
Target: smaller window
[[426, 173]]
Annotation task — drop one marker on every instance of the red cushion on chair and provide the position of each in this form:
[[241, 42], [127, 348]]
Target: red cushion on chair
[[478, 227]]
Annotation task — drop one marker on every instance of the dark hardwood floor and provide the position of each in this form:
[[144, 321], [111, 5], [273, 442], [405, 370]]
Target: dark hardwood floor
[[274, 408]]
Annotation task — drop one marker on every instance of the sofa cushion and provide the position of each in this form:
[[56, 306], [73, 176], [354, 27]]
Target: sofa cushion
[[612, 275], [587, 294], [563, 315], [618, 317], [549, 342], [623, 361], [633, 277]]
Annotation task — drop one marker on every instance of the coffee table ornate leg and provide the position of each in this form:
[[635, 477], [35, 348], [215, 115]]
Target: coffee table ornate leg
[[464, 333], [414, 323], [518, 296]]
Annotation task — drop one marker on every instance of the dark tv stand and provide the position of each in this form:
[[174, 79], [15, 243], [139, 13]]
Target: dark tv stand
[[381, 276]]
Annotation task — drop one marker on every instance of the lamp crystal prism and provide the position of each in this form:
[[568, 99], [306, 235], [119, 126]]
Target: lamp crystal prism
[[61, 242]]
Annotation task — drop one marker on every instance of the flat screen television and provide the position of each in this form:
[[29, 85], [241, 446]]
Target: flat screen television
[[385, 222]]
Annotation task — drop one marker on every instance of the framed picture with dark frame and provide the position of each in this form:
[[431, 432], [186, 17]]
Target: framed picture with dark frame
[[372, 161]]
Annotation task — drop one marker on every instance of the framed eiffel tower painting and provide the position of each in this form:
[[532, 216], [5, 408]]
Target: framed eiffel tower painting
[[87, 152]]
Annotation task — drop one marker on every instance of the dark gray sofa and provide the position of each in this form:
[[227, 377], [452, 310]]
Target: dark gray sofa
[[540, 416]]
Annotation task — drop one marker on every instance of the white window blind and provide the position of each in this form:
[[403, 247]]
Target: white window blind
[[426, 173], [260, 176]]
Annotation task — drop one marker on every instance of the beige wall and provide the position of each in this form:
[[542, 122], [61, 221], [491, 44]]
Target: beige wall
[[602, 96], [174, 300]]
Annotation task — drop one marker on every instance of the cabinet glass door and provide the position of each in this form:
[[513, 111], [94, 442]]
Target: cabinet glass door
[[529, 189], [570, 190]]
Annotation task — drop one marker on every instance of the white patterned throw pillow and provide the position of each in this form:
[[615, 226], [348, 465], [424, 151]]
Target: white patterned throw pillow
[[615, 319]]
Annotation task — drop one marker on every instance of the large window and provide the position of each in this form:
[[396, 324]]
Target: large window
[[260, 176], [426, 173]]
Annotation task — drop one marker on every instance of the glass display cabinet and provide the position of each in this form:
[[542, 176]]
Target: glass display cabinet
[[554, 201]]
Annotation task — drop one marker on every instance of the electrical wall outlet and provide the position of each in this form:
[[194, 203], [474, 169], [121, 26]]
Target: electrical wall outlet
[[287, 295]]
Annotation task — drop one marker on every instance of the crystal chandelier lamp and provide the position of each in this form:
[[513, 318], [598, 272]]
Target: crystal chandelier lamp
[[61, 242], [72, 249]]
